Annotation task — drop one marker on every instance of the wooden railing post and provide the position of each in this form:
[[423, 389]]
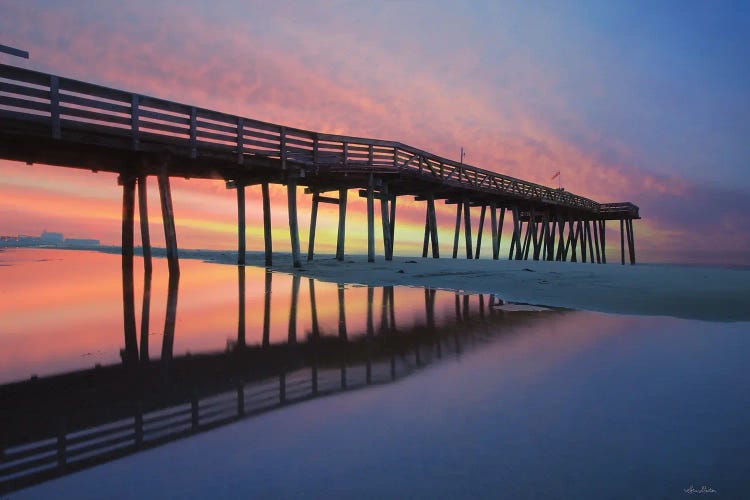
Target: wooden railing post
[[240, 140], [54, 105], [282, 147], [134, 125], [193, 133]]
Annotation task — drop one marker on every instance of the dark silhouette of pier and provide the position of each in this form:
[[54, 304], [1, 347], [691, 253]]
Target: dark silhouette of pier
[[54, 120], [56, 425]]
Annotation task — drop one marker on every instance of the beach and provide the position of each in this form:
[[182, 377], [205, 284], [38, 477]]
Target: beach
[[689, 292]]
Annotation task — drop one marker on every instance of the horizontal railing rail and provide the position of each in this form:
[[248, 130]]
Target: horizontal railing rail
[[63, 107]]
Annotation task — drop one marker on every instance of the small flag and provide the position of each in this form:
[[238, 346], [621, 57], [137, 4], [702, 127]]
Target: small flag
[[557, 174]]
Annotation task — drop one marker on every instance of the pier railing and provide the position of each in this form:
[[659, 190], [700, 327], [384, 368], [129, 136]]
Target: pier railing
[[72, 110]]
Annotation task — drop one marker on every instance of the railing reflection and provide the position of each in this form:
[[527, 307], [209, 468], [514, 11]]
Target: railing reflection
[[55, 425]]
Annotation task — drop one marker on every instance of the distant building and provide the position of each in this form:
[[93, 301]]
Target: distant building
[[49, 238], [28, 241], [81, 242]]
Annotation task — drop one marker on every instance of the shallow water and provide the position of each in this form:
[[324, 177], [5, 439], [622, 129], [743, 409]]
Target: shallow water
[[438, 395]]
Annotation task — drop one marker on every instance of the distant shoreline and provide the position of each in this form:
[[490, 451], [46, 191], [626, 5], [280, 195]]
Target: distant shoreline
[[682, 291]]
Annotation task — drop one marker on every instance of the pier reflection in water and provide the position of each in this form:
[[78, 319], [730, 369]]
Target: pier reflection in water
[[337, 338]]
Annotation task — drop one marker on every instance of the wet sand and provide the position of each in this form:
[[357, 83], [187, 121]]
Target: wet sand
[[704, 293]]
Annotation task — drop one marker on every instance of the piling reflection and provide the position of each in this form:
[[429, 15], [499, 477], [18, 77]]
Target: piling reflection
[[58, 424]]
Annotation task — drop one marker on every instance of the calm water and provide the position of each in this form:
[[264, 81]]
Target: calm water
[[324, 390]]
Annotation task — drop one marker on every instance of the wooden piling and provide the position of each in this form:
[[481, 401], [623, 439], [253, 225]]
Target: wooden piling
[[589, 240], [480, 230], [459, 208], [516, 235], [493, 230], [313, 222], [426, 242], [341, 235], [241, 224], [631, 241], [467, 228], [370, 221], [560, 253], [595, 229], [433, 226], [602, 238], [622, 241], [167, 213], [291, 190], [573, 239], [582, 239], [385, 221], [267, 238], [392, 224]]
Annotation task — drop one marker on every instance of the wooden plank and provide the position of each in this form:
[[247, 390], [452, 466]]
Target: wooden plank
[[328, 199], [163, 127], [164, 105], [213, 136], [92, 90], [260, 136], [25, 91], [19, 102], [92, 103], [93, 115], [231, 130]]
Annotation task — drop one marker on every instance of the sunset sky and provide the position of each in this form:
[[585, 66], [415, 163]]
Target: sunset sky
[[644, 102]]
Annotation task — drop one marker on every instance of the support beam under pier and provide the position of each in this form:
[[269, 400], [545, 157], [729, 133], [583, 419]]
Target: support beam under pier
[[167, 213], [291, 193]]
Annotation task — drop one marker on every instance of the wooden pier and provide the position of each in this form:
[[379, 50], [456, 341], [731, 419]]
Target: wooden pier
[[58, 121]]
